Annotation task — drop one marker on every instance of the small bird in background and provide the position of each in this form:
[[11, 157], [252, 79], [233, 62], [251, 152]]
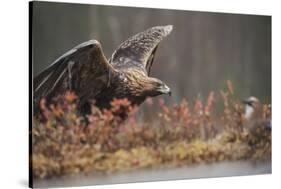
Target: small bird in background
[[253, 108], [254, 119]]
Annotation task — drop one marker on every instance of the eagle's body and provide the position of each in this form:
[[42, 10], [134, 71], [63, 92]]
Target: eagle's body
[[85, 70]]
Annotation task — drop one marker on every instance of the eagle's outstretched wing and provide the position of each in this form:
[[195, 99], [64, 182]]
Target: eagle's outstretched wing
[[84, 69], [139, 50]]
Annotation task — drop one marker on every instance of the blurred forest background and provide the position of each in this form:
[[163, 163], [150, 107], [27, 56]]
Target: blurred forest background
[[202, 52]]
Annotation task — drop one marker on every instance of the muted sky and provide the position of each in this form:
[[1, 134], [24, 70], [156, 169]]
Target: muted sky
[[202, 52]]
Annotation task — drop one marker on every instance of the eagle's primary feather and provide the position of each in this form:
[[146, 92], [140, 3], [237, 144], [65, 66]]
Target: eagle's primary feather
[[85, 70]]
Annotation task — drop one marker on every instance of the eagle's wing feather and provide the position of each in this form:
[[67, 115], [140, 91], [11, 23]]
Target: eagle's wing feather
[[83, 69], [139, 50], [150, 60], [54, 66]]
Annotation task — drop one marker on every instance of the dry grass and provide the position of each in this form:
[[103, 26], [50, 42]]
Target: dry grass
[[65, 143]]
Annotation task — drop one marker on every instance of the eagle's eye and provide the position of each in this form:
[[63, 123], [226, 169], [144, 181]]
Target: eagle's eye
[[162, 85]]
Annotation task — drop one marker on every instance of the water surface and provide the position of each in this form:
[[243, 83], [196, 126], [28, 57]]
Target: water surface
[[156, 174]]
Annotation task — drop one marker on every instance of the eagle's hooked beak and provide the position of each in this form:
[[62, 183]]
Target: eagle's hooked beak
[[166, 90], [170, 93]]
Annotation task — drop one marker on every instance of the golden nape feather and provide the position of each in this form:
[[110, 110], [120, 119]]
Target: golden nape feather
[[85, 71]]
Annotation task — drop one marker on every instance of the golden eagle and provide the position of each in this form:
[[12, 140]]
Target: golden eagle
[[86, 71]]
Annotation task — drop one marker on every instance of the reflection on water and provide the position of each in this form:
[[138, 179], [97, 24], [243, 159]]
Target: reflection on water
[[187, 172]]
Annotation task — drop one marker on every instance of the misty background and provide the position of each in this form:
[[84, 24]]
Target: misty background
[[202, 52]]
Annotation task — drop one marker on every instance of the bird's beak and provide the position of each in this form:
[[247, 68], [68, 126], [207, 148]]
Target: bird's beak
[[166, 90], [170, 93], [246, 101]]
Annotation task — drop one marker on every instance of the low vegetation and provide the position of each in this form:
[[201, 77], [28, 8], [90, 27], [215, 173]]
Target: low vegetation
[[63, 142]]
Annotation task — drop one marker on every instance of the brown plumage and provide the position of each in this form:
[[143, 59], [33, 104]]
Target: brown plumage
[[86, 71]]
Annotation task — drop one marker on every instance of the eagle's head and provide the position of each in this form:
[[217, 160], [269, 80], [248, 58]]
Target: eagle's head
[[155, 87], [138, 85]]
